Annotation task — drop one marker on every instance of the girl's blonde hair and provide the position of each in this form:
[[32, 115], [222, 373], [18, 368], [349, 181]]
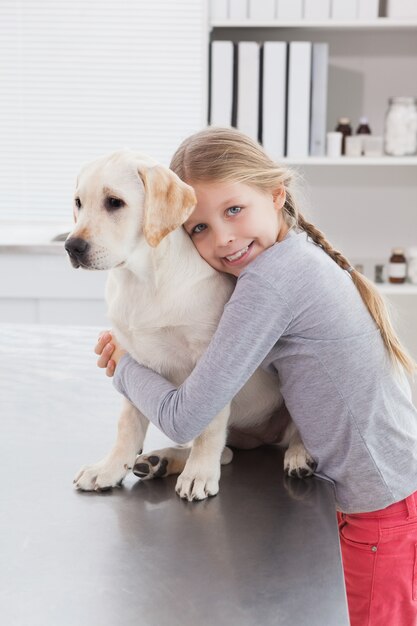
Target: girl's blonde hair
[[225, 154]]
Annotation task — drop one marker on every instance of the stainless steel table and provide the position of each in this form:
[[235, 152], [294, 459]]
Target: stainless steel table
[[264, 551]]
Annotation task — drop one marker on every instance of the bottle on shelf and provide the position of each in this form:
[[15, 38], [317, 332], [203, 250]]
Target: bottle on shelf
[[362, 131], [344, 127], [363, 128], [334, 144], [397, 269], [353, 146]]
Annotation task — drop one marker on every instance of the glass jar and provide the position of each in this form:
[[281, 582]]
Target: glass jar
[[401, 127]]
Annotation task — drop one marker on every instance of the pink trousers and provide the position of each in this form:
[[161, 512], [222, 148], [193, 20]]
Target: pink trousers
[[379, 553]]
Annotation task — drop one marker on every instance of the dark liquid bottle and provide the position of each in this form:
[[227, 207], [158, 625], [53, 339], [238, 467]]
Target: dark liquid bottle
[[344, 127], [363, 128], [397, 267]]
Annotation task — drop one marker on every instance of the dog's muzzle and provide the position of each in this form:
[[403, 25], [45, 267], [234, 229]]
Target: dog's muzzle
[[77, 249]]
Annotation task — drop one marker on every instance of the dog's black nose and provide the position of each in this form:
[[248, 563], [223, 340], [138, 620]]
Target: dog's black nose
[[77, 248]]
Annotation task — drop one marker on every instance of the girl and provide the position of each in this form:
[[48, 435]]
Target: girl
[[301, 311]]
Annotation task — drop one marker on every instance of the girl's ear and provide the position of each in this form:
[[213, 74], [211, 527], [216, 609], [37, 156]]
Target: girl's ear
[[279, 196]]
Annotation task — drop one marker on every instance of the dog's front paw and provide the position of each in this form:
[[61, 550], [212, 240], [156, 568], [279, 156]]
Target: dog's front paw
[[101, 477], [161, 463], [298, 463], [197, 485], [153, 466]]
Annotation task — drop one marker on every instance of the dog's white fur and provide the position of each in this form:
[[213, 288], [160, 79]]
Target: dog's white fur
[[164, 303]]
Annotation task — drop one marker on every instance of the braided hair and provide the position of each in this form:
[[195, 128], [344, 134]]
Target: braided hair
[[226, 154]]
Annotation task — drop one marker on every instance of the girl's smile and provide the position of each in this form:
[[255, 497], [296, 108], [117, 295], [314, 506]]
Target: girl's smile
[[234, 222], [240, 256]]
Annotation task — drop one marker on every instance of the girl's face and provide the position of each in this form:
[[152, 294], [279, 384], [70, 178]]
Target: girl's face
[[233, 223]]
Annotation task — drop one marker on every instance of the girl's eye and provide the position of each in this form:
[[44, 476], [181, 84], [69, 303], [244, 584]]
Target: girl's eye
[[233, 210], [78, 203], [198, 229]]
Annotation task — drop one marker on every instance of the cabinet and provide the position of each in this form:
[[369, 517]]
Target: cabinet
[[364, 206], [39, 286]]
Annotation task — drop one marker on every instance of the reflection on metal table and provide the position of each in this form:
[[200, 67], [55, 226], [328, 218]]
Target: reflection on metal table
[[264, 551]]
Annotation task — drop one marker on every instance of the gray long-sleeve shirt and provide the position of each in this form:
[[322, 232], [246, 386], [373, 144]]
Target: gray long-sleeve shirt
[[295, 312]]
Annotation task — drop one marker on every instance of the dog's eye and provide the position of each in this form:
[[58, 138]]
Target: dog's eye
[[112, 204], [78, 203]]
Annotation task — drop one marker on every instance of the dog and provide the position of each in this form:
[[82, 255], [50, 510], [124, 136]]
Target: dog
[[164, 303]]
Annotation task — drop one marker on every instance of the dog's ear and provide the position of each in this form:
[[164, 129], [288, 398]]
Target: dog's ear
[[168, 202]]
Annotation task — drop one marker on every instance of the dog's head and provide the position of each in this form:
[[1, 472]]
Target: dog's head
[[120, 200]]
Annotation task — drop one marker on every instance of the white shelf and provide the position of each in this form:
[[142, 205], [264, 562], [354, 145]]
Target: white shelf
[[399, 290], [358, 161], [382, 23]]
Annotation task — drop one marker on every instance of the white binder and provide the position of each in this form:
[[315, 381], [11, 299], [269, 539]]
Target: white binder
[[221, 83], [274, 98], [344, 9], [219, 10], [298, 104], [248, 88], [319, 79], [262, 10], [238, 9], [290, 9], [316, 9], [368, 9]]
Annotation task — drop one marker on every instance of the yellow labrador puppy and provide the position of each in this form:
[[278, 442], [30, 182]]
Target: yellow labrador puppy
[[128, 211]]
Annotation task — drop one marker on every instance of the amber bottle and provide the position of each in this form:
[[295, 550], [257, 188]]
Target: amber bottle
[[363, 128], [344, 127], [397, 271]]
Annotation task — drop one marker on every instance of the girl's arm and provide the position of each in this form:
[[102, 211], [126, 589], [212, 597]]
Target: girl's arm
[[253, 320]]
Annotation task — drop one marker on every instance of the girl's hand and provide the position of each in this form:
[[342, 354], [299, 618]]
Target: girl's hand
[[109, 352]]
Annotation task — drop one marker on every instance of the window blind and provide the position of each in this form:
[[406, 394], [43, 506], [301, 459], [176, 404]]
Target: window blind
[[81, 78]]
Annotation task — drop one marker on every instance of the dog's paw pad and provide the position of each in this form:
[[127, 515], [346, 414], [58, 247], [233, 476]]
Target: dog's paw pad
[[151, 467], [141, 469], [162, 469]]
